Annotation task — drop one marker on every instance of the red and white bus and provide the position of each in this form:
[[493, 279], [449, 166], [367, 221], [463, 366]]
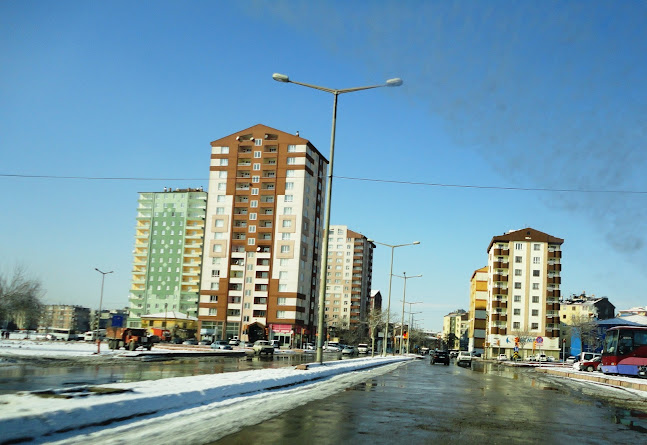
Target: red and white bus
[[625, 351]]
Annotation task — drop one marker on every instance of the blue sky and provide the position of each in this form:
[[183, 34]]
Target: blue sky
[[531, 95]]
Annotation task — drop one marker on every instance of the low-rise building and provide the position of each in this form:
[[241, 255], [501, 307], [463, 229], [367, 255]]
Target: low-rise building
[[581, 307]]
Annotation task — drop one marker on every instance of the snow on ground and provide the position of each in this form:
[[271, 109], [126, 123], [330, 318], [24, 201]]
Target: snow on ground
[[79, 349], [77, 411]]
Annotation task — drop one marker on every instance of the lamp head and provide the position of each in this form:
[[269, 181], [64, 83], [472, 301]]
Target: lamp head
[[394, 82], [416, 242], [281, 77]]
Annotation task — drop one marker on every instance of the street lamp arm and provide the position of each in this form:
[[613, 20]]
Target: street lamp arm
[[406, 277], [286, 79]]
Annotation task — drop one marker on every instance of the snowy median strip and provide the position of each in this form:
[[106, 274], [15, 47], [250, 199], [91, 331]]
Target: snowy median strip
[[29, 416]]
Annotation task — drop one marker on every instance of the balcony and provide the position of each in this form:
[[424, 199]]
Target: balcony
[[554, 280], [499, 291], [553, 293], [498, 277], [554, 267], [501, 252], [500, 265], [554, 254]]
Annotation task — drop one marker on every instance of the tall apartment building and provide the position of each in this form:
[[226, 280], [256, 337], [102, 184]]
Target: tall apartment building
[[478, 310], [348, 278], [524, 269], [262, 237], [169, 236]]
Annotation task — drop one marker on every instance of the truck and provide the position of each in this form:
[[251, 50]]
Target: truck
[[128, 338]]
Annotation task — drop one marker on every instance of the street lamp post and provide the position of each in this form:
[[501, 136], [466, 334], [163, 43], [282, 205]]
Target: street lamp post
[[404, 296], [103, 277], [388, 305], [411, 322], [324, 254]]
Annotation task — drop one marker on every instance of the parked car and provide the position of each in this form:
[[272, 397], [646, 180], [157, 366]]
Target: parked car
[[362, 348], [221, 344], [263, 347], [589, 365], [332, 347], [309, 346], [464, 358], [191, 341], [204, 342], [502, 357], [572, 359], [439, 356], [234, 341], [349, 350], [424, 350]]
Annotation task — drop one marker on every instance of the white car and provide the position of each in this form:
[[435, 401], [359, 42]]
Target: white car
[[263, 347], [332, 347], [502, 357], [362, 348], [464, 358]]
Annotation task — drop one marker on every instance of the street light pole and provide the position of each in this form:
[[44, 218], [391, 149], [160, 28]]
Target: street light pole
[[323, 266], [103, 277], [388, 306], [404, 296], [411, 322]]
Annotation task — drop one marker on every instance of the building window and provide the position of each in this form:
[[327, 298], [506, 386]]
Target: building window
[[517, 272], [251, 241], [224, 150], [285, 236], [220, 223], [518, 246], [534, 326], [517, 311], [253, 203], [289, 198], [213, 298], [535, 299], [252, 229], [224, 162], [256, 178], [213, 311], [222, 174], [292, 148], [215, 273], [536, 260], [517, 298], [286, 223], [257, 166], [252, 216], [517, 285], [285, 249], [254, 191], [535, 312], [536, 246], [221, 198], [289, 185], [215, 286], [220, 210], [535, 286], [535, 273], [257, 154], [280, 314], [282, 301], [292, 161], [518, 259], [287, 210], [290, 173], [516, 325]]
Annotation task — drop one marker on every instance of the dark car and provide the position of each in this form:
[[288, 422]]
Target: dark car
[[439, 356]]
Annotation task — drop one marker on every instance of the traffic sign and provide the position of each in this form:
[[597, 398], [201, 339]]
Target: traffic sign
[[540, 340], [516, 349]]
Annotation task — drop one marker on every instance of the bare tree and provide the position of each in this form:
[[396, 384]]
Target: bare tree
[[20, 300], [376, 318], [587, 330]]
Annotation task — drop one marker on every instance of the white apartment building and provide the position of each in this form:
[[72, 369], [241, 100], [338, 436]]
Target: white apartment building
[[348, 278], [524, 268]]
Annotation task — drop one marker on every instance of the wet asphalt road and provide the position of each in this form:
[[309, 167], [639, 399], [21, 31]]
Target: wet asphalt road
[[423, 403]]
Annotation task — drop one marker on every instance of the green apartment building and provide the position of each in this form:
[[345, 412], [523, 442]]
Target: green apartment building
[[169, 236]]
